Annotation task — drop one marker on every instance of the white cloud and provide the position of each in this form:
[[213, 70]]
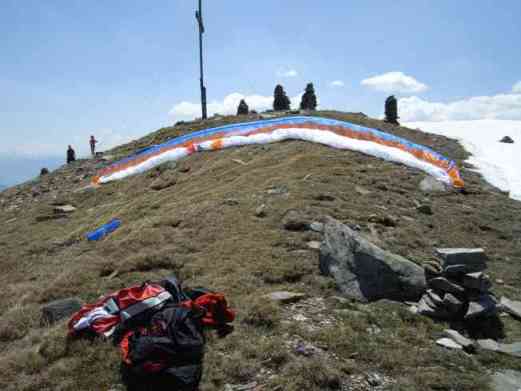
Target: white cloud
[[394, 82], [502, 106], [287, 73], [190, 110], [517, 88], [337, 83]]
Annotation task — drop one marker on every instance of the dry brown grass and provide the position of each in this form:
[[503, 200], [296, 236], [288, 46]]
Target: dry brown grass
[[190, 229]]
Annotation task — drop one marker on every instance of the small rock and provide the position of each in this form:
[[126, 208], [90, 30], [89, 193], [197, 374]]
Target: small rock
[[261, 211], [231, 202], [316, 226], [285, 297], [386, 221], [374, 380], [478, 281], [362, 191], [448, 343], [184, 169], [295, 221], [432, 269], [324, 197], [277, 190], [507, 140], [466, 343], [499, 281], [64, 209], [455, 271], [59, 309], [161, 183], [314, 245], [430, 184], [436, 299], [452, 303], [444, 285], [484, 305], [426, 209], [511, 307], [473, 258], [487, 344]]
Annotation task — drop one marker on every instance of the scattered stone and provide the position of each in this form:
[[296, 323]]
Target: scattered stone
[[465, 342], [59, 309], [295, 221], [365, 272], [484, 305], [261, 211], [478, 281], [473, 258], [426, 209], [488, 344], [314, 245], [511, 307], [285, 297], [316, 226], [324, 197], [241, 387], [506, 380], [431, 185], [499, 281], [64, 209], [432, 269], [239, 161], [507, 140], [231, 202], [444, 285], [435, 298], [452, 303], [184, 169], [277, 190], [362, 191], [386, 221], [162, 183], [448, 343], [455, 271]]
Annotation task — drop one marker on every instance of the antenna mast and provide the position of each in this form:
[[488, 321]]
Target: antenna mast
[[199, 17]]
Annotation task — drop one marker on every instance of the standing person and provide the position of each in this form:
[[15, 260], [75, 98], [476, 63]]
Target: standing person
[[71, 155], [93, 142]]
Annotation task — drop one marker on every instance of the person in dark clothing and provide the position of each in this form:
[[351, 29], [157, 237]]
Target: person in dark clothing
[[92, 143], [71, 155]]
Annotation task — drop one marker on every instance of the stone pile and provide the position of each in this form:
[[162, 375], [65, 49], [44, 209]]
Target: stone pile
[[457, 286]]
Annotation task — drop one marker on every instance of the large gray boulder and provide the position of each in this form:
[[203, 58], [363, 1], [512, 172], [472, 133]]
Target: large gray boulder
[[364, 271]]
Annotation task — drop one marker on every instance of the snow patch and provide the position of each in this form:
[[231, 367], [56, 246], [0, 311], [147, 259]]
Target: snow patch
[[499, 163]]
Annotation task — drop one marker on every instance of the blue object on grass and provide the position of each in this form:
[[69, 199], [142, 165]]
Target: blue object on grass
[[104, 230]]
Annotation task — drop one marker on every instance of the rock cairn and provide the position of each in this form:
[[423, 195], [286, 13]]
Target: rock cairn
[[457, 286]]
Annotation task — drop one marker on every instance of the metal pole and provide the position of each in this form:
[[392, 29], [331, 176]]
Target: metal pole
[[199, 17]]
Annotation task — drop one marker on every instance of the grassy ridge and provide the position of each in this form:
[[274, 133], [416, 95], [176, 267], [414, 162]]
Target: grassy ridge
[[204, 229]]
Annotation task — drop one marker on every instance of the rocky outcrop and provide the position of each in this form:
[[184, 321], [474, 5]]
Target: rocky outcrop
[[364, 271], [458, 287]]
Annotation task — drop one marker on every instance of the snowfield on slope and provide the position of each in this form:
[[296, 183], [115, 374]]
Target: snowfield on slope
[[499, 163]]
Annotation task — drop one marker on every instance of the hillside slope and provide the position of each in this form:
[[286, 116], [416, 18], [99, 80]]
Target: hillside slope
[[204, 229]]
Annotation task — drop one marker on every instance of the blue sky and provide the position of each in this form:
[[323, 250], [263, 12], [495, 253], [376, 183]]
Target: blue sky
[[120, 69]]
